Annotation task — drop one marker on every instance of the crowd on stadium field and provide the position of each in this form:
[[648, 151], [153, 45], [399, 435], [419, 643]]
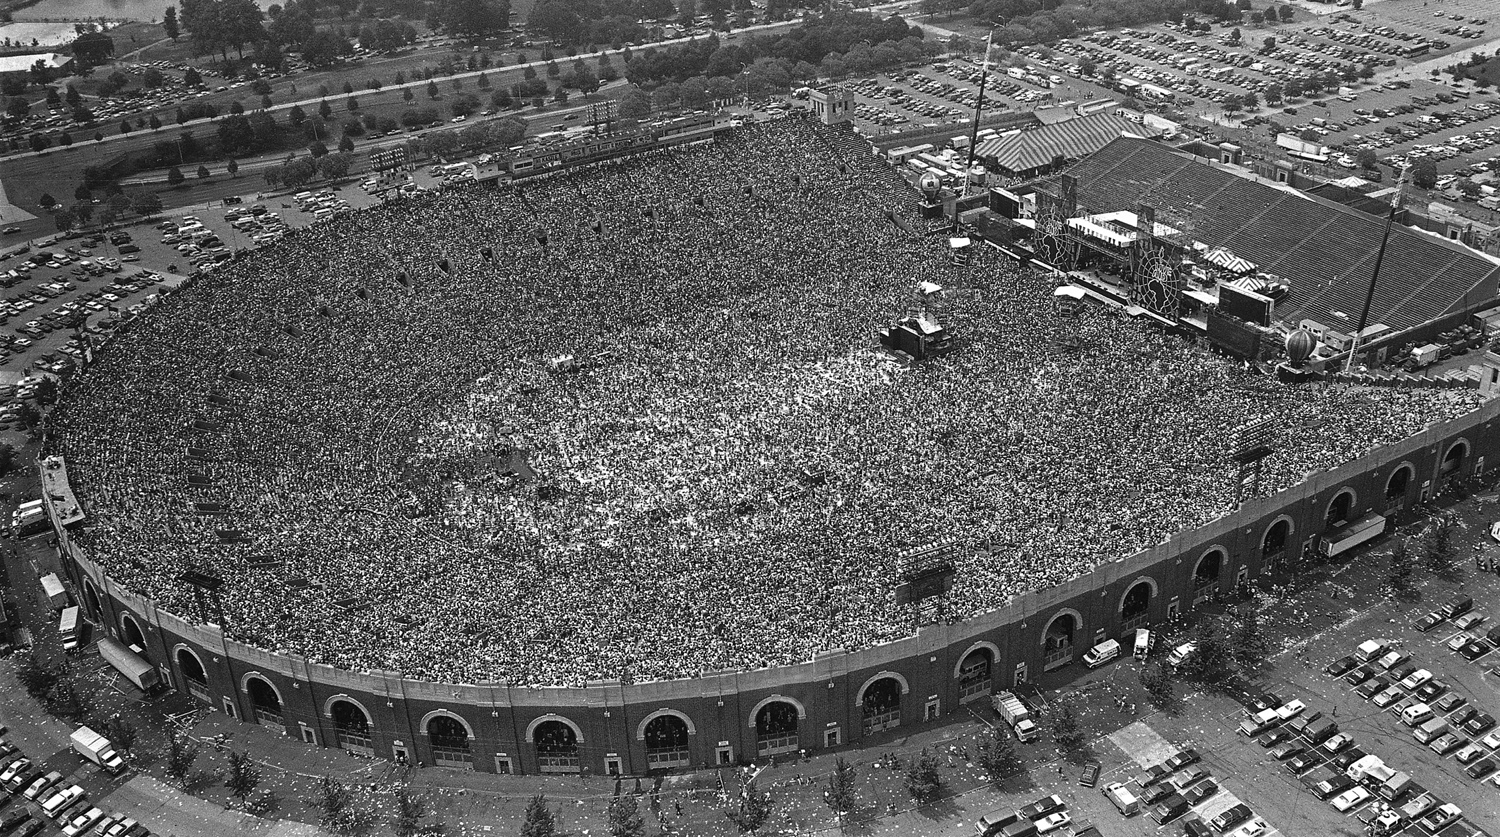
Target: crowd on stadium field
[[632, 421]]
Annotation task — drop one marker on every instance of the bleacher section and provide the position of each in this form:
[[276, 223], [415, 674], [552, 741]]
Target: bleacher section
[[1323, 250]]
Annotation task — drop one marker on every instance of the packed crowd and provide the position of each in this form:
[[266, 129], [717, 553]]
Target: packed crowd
[[632, 421]]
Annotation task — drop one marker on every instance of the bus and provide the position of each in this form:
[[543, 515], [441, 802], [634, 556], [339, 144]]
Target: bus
[[67, 628]]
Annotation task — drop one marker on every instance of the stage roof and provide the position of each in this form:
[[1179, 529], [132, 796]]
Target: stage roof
[[1074, 138], [1324, 251]]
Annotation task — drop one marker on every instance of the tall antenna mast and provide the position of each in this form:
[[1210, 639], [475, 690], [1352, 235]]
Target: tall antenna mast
[[1390, 218], [984, 75]]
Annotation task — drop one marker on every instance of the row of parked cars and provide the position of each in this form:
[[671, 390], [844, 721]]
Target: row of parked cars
[[1331, 766], [1172, 789], [1044, 816], [32, 801]]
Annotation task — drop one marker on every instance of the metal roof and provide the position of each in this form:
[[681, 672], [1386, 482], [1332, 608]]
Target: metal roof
[[1072, 139]]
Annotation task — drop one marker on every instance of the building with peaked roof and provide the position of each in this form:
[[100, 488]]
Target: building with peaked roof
[[10, 64], [1323, 250], [1040, 150]]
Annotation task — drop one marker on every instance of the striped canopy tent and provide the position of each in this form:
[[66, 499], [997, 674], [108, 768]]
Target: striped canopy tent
[[1228, 261]]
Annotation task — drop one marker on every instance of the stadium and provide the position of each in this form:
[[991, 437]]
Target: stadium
[[609, 472]]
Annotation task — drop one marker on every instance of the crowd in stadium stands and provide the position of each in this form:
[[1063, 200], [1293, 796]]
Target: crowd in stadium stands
[[415, 477]]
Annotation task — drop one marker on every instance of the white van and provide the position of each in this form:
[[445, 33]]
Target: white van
[[1142, 643], [1417, 713], [1369, 650], [1124, 801], [1181, 653], [1102, 653]]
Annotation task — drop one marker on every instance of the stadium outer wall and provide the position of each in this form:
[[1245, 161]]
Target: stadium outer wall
[[720, 709]]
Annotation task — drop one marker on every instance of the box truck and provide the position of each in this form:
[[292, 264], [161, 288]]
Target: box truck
[[1015, 713], [129, 664], [97, 749]]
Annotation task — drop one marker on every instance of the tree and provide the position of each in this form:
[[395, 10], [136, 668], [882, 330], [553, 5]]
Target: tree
[[1442, 557], [46, 392], [840, 793], [325, 110], [1233, 103], [1248, 640], [192, 78], [625, 818], [1424, 173], [40, 142], [232, 167], [182, 751], [753, 810], [1063, 726], [7, 457], [923, 783], [174, 176], [146, 203], [538, 821], [346, 143], [333, 797], [1286, 13], [410, 809], [351, 104], [1211, 660], [996, 754], [1399, 576], [28, 415], [203, 172], [169, 23], [432, 90], [46, 201], [1158, 685], [64, 220], [1268, 45], [242, 775], [36, 675]]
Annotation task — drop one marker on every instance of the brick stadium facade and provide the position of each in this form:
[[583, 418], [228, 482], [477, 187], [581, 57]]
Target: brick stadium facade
[[840, 699]]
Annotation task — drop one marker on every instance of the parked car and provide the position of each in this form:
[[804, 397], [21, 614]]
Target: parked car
[[1196, 794], [1481, 768], [1231, 817], [1350, 798], [1428, 622], [1341, 666], [1479, 724]]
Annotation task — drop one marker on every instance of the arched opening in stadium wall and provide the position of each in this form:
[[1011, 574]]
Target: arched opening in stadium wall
[[1057, 643], [882, 705], [556, 747], [264, 701], [1135, 610], [776, 728], [974, 674], [1273, 545], [131, 632], [193, 674], [91, 600], [1206, 576], [666, 742], [1453, 461], [1339, 509], [352, 728], [1396, 488], [449, 740]]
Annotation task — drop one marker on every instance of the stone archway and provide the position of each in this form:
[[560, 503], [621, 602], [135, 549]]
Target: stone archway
[[265, 700], [1059, 638], [880, 704], [1274, 542], [131, 633], [1400, 482], [1453, 460], [91, 600], [976, 671], [1207, 573], [448, 736], [777, 727], [351, 725], [1135, 605], [556, 740], [194, 675], [666, 737], [1340, 508]]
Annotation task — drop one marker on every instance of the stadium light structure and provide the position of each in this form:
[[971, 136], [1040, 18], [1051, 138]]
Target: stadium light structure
[[1385, 238], [984, 75]]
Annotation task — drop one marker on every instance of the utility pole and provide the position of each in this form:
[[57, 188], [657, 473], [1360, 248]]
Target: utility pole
[[1364, 312]]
